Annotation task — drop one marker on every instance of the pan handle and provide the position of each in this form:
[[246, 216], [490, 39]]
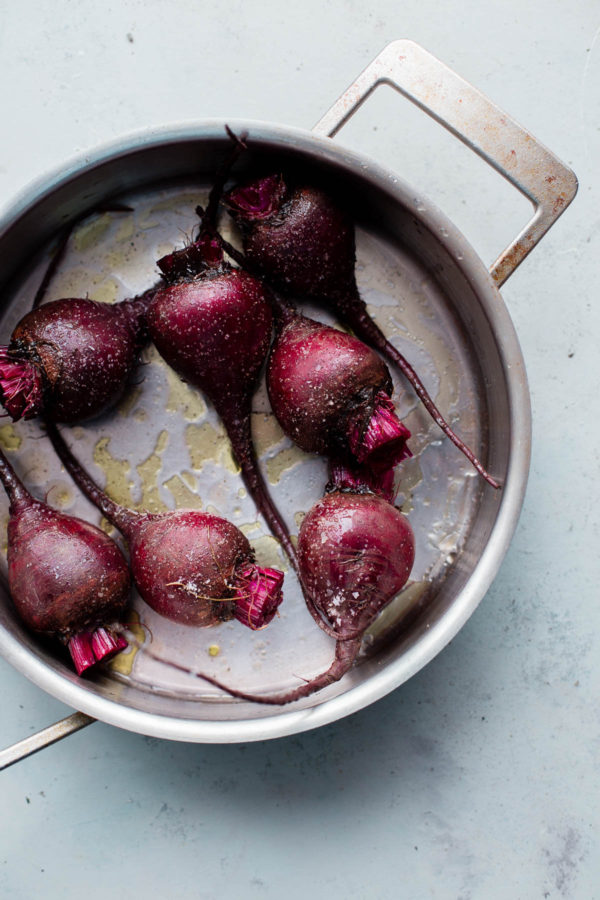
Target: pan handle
[[477, 122], [43, 738]]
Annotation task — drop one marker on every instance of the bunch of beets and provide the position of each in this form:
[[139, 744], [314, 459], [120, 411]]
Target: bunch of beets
[[217, 325]]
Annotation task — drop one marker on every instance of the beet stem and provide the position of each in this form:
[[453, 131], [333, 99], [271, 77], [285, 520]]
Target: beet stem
[[238, 427], [120, 516], [258, 596], [354, 312], [345, 656], [220, 179], [17, 493], [61, 247]]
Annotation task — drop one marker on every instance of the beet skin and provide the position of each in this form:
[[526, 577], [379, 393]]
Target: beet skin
[[303, 243], [68, 580], [69, 360], [189, 566]]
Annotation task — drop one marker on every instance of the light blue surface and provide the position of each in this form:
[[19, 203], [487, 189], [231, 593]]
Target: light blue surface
[[478, 778]]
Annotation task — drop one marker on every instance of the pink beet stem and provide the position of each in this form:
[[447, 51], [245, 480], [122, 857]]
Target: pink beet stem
[[382, 444], [258, 593], [354, 311], [360, 478], [105, 643], [123, 518], [82, 652], [90, 647], [21, 388], [237, 425]]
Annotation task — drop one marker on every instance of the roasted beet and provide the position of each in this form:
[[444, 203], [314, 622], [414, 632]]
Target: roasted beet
[[68, 580], [213, 323], [70, 360], [331, 394], [304, 244], [189, 566], [355, 552]]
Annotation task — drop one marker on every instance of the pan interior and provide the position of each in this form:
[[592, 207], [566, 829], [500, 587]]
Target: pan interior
[[164, 448]]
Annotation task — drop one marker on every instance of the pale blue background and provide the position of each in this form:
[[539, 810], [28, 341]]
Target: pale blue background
[[478, 778]]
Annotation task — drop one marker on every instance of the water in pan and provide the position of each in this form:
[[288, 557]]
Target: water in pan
[[163, 447]]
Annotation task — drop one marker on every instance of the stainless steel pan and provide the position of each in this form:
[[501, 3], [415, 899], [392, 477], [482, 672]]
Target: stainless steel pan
[[163, 447]]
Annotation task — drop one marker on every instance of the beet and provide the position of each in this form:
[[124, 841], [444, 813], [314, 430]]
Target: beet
[[331, 394], [355, 552], [68, 580], [70, 359], [304, 244], [213, 323], [189, 566]]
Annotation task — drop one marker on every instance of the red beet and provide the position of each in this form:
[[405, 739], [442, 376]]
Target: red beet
[[189, 566], [304, 244], [70, 360], [331, 395], [212, 323], [68, 580], [355, 552]]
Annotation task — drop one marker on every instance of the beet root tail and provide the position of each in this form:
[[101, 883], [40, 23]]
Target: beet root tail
[[239, 433], [354, 313], [345, 655]]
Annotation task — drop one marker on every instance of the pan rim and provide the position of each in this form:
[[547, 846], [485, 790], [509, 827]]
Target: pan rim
[[73, 691]]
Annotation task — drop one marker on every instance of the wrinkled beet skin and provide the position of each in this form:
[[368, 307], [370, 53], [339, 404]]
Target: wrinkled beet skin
[[318, 378], [64, 575], [208, 549], [355, 552], [222, 360], [86, 351], [307, 248]]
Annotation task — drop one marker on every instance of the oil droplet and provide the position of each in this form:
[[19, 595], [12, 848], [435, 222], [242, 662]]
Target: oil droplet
[[266, 432], [205, 443], [129, 401], [91, 233], [299, 517], [118, 485], [183, 399], [184, 498], [123, 662], [214, 650], [283, 461], [148, 471], [268, 552], [189, 479], [60, 496], [9, 439], [242, 493]]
